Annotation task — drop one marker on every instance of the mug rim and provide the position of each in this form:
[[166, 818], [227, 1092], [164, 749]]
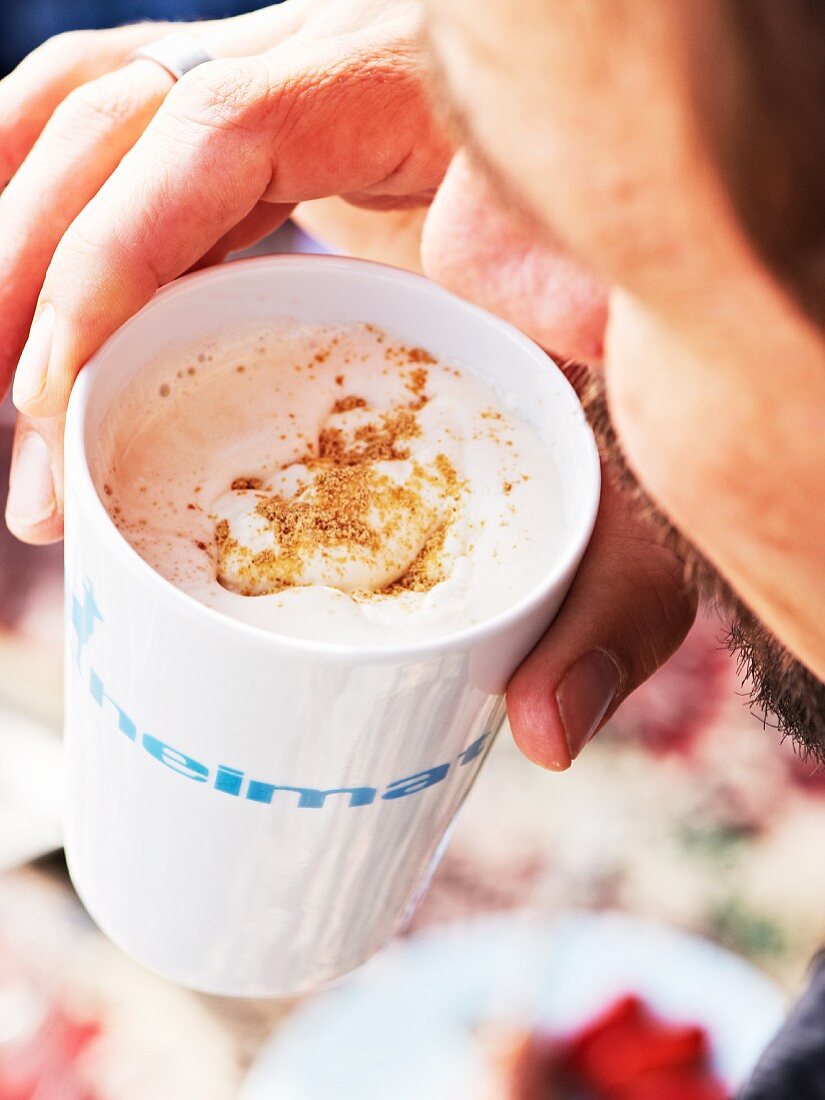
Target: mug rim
[[78, 473]]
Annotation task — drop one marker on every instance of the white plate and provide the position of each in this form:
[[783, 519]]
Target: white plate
[[405, 1026]]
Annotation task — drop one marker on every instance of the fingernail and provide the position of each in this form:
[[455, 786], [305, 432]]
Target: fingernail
[[585, 695], [33, 367], [31, 491]]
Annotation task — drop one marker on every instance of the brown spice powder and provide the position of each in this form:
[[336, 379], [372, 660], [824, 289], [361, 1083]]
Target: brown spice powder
[[334, 515], [426, 571], [348, 494], [353, 509], [420, 355], [373, 442], [344, 404]]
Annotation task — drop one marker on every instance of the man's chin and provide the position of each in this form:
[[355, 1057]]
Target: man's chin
[[783, 691]]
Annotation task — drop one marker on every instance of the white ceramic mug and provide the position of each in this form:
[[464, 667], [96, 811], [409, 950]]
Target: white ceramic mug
[[253, 814]]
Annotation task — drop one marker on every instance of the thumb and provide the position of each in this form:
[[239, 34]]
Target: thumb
[[629, 609]]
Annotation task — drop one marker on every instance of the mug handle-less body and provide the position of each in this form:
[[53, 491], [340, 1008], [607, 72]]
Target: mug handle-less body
[[251, 814]]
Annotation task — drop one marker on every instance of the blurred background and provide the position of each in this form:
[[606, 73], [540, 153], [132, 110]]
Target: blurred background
[[636, 924], [24, 24]]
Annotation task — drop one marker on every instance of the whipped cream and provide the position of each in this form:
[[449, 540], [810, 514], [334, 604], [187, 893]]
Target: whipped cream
[[357, 528], [330, 483]]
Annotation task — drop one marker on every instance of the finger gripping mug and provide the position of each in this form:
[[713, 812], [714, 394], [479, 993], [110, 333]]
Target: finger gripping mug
[[252, 814]]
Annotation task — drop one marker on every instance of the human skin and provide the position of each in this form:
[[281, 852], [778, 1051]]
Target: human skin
[[716, 380], [130, 181]]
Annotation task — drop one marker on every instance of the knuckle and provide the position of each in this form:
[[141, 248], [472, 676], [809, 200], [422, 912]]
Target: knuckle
[[219, 95], [100, 104], [71, 44], [663, 614], [673, 598], [96, 253], [78, 249], [79, 242], [88, 248]]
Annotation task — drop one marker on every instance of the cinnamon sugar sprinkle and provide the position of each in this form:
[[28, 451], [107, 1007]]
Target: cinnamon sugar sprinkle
[[344, 404], [372, 442], [426, 571], [349, 508]]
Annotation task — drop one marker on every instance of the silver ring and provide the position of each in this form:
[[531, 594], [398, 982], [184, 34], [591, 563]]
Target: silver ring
[[177, 52]]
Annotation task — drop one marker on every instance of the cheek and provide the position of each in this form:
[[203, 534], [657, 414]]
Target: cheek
[[481, 251]]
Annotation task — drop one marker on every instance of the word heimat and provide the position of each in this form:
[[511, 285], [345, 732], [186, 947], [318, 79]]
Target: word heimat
[[231, 781]]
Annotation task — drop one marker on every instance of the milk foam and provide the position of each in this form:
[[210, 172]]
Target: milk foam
[[225, 464]]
